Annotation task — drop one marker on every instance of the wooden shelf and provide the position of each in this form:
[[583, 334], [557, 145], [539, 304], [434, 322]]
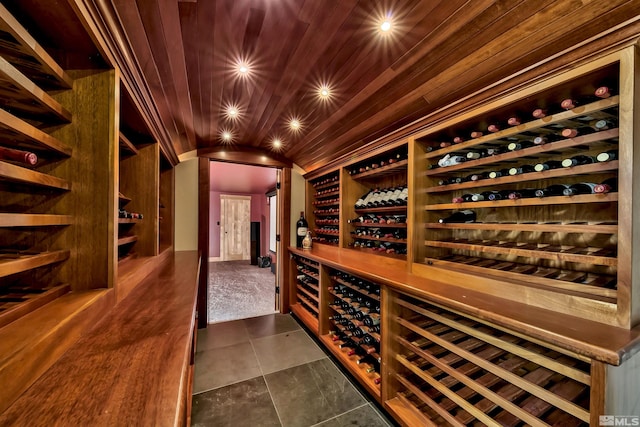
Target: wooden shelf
[[127, 240], [17, 44], [308, 294], [349, 362], [327, 185], [17, 263], [533, 201], [34, 220], [355, 288], [16, 173], [531, 126], [327, 203], [532, 250], [19, 93], [380, 239], [129, 220], [306, 317], [126, 144], [308, 263], [390, 169], [544, 227], [531, 176], [497, 369], [587, 285], [334, 213], [29, 137], [24, 300], [378, 225], [388, 209], [371, 251], [336, 192]]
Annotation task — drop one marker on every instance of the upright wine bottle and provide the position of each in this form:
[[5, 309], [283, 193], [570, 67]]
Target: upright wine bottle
[[301, 230], [459, 217], [21, 156]]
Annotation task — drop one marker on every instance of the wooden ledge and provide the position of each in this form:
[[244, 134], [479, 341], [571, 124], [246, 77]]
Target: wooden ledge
[[592, 339], [132, 367]]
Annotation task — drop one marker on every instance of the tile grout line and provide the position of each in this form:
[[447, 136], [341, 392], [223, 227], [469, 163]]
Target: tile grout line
[[264, 378], [339, 415]]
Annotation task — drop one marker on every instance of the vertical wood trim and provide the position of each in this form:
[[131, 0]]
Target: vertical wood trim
[[598, 390], [203, 240], [628, 184], [415, 204], [388, 346], [93, 171], [282, 254]]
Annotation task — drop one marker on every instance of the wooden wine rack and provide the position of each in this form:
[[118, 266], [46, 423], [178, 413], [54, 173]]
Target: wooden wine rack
[[459, 370], [307, 292], [360, 177], [324, 209], [29, 250]]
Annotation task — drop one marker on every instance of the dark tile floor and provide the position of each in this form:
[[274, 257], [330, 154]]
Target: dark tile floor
[[267, 371]]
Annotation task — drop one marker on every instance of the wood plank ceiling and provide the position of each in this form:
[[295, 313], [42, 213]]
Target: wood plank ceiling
[[436, 52]]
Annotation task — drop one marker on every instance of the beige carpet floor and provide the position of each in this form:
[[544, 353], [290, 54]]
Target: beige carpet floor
[[239, 290]]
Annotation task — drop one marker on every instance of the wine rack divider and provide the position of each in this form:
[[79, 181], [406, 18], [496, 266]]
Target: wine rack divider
[[323, 210], [305, 304]]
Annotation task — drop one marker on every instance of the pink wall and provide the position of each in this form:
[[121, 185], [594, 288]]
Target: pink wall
[[259, 213]]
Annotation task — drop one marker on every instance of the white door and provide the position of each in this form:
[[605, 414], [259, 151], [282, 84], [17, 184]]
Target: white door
[[235, 217]]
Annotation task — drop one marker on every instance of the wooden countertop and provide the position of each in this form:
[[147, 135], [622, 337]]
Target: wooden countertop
[[130, 368], [595, 340]]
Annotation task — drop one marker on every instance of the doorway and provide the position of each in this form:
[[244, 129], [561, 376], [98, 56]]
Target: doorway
[[239, 219]]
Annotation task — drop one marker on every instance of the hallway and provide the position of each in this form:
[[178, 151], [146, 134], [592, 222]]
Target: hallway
[[267, 371]]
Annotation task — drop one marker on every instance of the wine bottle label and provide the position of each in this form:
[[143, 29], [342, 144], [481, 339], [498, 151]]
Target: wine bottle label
[[302, 231]]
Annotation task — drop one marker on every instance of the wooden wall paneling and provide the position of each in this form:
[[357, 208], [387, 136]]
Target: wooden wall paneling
[[139, 180], [416, 215], [283, 196], [629, 188], [203, 241], [93, 171]]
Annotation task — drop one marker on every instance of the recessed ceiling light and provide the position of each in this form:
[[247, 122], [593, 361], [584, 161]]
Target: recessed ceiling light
[[226, 136], [324, 92], [295, 124], [276, 143], [385, 26], [232, 112]]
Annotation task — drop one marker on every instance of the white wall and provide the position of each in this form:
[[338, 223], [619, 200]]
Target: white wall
[[186, 205]]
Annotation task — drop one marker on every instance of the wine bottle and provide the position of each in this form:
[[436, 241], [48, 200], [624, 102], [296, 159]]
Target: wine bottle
[[478, 176], [493, 151], [521, 169], [444, 144], [603, 92], [467, 197], [21, 156], [459, 217], [569, 103], [552, 190], [301, 230], [498, 174], [539, 113], [514, 121], [473, 155], [522, 194], [404, 197], [451, 160], [573, 132], [577, 161], [493, 128], [606, 186], [476, 134], [457, 140], [549, 164], [540, 139], [481, 196], [607, 156], [500, 195], [579, 188], [513, 146]]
